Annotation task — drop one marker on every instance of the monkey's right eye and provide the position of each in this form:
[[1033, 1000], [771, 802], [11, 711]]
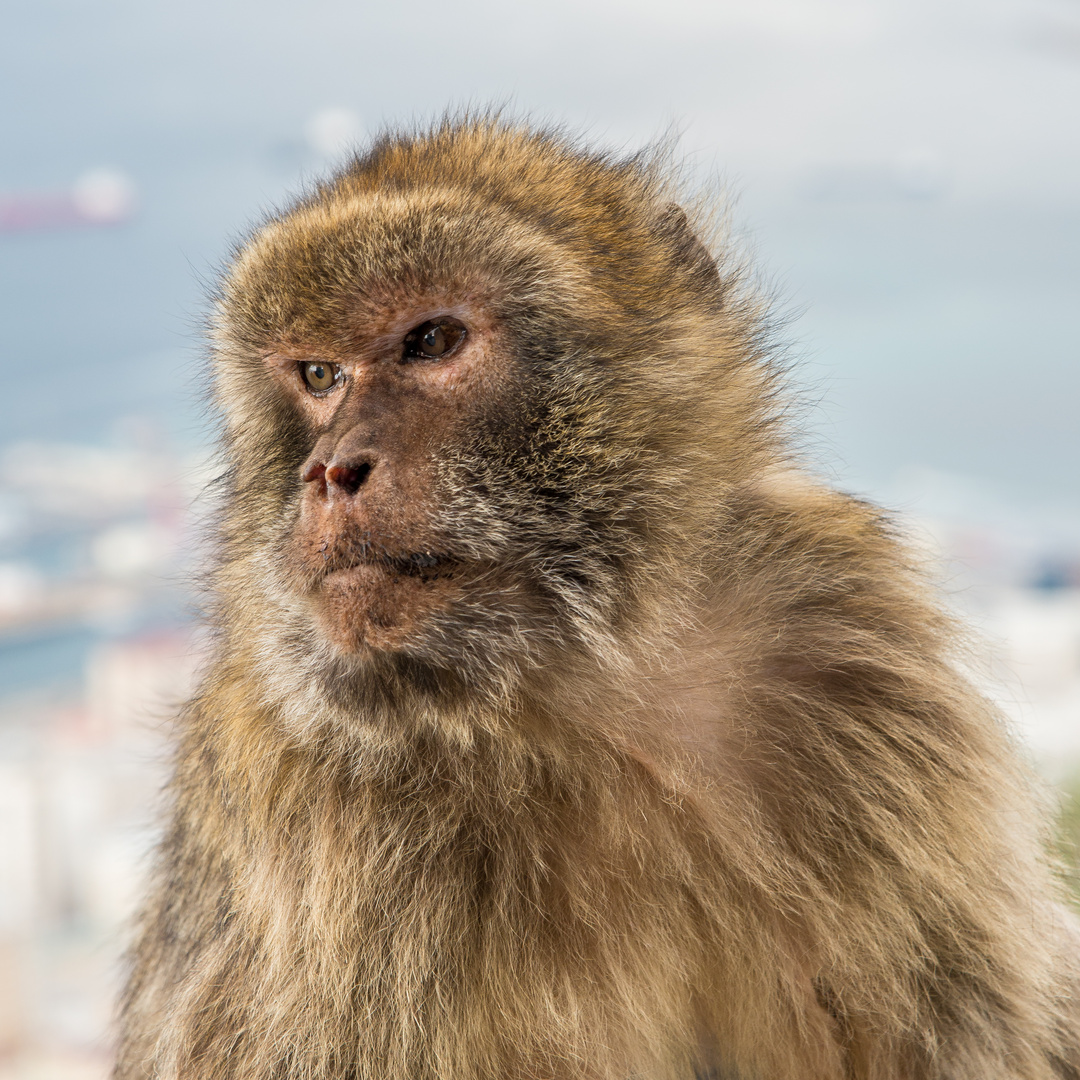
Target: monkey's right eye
[[433, 340], [319, 375]]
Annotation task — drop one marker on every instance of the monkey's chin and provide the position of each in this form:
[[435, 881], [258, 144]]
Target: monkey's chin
[[377, 607]]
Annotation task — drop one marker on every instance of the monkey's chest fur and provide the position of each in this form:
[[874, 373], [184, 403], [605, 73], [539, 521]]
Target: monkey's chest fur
[[457, 913]]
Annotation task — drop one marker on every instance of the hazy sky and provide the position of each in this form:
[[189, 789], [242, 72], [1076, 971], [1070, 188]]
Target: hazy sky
[[907, 173]]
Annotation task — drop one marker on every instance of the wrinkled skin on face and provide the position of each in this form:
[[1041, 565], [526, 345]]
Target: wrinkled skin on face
[[365, 548]]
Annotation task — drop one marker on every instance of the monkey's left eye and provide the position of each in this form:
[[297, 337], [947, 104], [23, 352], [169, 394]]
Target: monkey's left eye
[[433, 340], [319, 375]]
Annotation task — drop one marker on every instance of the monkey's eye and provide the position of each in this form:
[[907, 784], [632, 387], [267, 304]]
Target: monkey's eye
[[433, 340], [319, 375]]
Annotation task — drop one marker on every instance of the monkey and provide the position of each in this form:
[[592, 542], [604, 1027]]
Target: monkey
[[560, 722]]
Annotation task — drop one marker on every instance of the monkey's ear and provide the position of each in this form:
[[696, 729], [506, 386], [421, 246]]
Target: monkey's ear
[[691, 252]]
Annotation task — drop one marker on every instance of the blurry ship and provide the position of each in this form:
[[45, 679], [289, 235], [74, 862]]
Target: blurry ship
[[99, 197]]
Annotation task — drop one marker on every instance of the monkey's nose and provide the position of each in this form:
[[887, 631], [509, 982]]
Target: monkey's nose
[[345, 477], [348, 477]]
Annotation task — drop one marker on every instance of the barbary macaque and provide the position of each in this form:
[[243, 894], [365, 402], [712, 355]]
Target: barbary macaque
[[560, 723]]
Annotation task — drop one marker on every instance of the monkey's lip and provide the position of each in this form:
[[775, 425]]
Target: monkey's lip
[[424, 565]]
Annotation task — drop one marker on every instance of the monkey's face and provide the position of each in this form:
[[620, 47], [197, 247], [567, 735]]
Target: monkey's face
[[382, 413]]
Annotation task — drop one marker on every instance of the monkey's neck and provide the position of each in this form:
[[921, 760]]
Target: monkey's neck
[[576, 753]]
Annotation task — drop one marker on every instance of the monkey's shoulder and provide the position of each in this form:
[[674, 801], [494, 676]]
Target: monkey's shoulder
[[790, 522], [817, 569]]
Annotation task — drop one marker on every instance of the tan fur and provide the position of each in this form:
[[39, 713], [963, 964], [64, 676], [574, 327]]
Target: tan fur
[[671, 771]]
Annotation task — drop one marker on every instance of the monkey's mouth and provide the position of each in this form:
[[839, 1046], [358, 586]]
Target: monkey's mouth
[[423, 565], [375, 593], [342, 554], [383, 600]]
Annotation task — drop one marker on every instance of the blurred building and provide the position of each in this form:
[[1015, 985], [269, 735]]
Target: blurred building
[[80, 786], [97, 650]]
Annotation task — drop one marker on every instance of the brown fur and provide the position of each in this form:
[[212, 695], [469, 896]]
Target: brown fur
[[591, 738]]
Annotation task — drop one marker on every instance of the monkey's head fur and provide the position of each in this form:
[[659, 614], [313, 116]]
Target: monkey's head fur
[[488, 451]]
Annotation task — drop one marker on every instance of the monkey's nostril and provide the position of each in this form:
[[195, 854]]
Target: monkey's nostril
[[348, 477], [316, 471]]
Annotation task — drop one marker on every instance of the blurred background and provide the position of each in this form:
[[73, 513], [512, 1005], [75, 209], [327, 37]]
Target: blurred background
[[906, 176]]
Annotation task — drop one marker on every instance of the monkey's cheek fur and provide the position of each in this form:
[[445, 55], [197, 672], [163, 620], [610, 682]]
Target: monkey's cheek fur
[[374, 606]]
